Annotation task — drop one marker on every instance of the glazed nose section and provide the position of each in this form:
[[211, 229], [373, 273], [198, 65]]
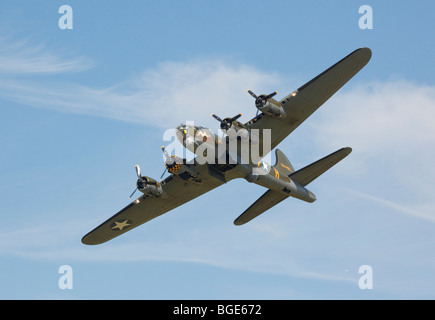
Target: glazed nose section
[[180, 132], [181, 127]]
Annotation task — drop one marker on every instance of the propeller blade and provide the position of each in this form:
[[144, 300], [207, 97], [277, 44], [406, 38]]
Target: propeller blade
[[165, 152], [271, 95], [236, 117], [163, 173], [137, 171], [252, 94], [133, 193], [216, 117]]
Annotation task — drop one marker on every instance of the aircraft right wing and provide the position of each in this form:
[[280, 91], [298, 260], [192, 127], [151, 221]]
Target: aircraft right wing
[[301, 103]]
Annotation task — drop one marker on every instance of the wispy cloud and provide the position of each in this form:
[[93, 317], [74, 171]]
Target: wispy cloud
[[165, 95], [380, 116], [390, 128], [388, 124], [382, 121], [425, 211], [25, 57], [54, 240]]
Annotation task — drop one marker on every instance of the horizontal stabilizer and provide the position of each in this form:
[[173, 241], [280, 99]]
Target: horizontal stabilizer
[[265, 202], [305, 175]]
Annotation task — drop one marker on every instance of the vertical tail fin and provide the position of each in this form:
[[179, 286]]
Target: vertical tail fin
[[283, 164]]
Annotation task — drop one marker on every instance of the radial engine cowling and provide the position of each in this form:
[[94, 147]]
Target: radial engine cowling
[[272, 109], [174, 165], [149, 187], [177, 166], [268, 105]]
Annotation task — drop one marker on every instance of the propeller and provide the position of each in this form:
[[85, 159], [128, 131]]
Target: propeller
[[227, 122], [138, 171], [164, 171], [261, 100], [165, 152], [138, 176], [140, 180], [169, 162], [133, 193], [167, 156], [174, 164]]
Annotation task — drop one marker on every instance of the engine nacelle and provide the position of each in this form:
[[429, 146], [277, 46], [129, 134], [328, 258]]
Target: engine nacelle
[[272, 109], [268, 105], [173, 164], [178, 166], [150, 187]]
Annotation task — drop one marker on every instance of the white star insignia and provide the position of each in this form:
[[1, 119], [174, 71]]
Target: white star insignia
[[120, 224]]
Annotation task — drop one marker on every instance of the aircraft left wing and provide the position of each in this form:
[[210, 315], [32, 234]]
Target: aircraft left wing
[[301, 103], [178, 190]]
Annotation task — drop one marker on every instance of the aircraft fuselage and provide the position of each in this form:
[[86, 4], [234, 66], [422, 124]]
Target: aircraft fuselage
[[261, 173]]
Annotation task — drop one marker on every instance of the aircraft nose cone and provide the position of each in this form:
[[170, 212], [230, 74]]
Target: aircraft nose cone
[[181, 127], [180, 132]]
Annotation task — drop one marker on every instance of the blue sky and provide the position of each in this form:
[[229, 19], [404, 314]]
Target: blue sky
[[79, 108]]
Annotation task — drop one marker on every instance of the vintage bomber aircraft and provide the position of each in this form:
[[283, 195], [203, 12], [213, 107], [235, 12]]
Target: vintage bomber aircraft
[[190, 180]]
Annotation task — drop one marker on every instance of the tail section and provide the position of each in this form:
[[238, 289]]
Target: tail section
[[295, 186], [309, 173], [283, 165]]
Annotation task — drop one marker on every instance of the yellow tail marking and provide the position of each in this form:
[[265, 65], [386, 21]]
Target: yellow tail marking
[[284, 166], [276, 173]]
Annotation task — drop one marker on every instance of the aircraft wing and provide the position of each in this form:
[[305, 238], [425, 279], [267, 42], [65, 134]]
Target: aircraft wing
[[178, 190], [300, 104]]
